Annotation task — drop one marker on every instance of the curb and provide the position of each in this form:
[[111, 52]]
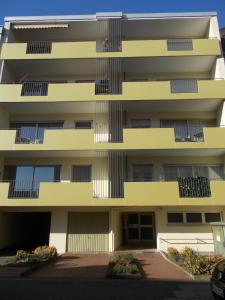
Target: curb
[[176, 265]]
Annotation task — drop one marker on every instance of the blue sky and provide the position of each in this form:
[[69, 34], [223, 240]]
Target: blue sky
[[53, 7]]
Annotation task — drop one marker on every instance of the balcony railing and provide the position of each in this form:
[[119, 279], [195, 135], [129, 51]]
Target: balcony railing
[[39, 47], [184, 86], [34, 88], [23, 189], [179, 45], [194, 187]]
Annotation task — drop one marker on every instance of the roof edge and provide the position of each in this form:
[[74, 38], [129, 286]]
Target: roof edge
[[108, 14]]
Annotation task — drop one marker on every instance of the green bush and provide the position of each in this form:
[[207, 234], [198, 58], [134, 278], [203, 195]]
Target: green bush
[[201, 264], [22, 255], [187, 251], [122, 257], [45, 252], [173, 253], [125, 269]]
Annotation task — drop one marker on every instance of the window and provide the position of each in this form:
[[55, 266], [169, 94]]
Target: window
[[81, 173], [33, 132], [142, 172], [173, 172], [175, 217], [140, 123], [83, 124], [212, 217], [194, 217]]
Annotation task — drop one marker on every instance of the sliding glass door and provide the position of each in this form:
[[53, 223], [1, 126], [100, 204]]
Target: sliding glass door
[[25, 180]]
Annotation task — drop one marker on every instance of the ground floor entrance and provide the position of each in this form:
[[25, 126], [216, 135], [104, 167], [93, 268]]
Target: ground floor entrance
[[139, 229], [24, 230]]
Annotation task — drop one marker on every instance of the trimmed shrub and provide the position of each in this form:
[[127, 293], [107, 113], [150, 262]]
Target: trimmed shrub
[[173, 253], [22, 255], [186, 251], [201, 264], [45, 252]]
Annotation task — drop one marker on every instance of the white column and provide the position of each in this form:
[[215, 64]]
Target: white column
[[221, 115], [111, 233], [58, 231], [214, 31]]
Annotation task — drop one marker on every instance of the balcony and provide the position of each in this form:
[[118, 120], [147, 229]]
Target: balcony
[[133, 139], [135, 194], [151, 90], [135, 48]]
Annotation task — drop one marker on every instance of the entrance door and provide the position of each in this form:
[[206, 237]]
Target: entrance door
[[140, 228]]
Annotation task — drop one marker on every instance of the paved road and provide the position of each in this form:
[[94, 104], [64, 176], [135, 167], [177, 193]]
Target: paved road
[[70, 289]]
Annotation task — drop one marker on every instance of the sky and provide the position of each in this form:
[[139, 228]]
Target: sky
[[64, 7]]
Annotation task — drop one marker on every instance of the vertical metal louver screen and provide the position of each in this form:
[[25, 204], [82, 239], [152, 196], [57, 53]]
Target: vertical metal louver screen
[[179, 45], [108, 76], [39, 47], [110, 35], [184, 86], [116, 161], [101, 127], [34, 88], [116, 122]]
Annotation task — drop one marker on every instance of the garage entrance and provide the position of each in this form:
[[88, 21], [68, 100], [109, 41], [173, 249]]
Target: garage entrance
[[24, 230], [88, 232]]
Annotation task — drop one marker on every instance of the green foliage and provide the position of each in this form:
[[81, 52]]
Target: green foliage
[[22, 255], [45, 252], [201, 264], [173, 253], [124, 264], [187, 251]]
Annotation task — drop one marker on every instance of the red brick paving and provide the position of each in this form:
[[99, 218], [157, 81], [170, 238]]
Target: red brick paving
[[156, 266], [76, 266]]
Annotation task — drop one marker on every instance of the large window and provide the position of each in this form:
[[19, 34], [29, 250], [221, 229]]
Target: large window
[[192, 217], [140, 123], [81, 173], [33, 132], [173, 172], [25, 180], [83, 124], [188, 130], [142, 172]]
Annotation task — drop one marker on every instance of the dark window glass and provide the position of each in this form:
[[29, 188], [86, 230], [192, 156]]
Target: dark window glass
[[147, 233], [140, 123], [175, 217], [132, 219], [194, 217], [133, 234], [82, 173], [83, 124], [142, 172], [212, 217], [146, 219]]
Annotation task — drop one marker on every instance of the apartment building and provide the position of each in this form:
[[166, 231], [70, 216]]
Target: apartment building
[[111, 131]]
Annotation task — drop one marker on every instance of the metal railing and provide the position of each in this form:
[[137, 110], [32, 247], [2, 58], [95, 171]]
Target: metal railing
[[29, 135], [23, 189], [102, 87], [34, 88], [184, 86], [194, 187], [39, 47], [179, 45]]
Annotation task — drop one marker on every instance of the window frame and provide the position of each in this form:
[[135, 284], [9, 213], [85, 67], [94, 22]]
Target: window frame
[[83, 121], [203, 217]]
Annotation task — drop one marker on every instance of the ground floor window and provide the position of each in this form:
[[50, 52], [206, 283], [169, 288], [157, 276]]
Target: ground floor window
[[192, 217]]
